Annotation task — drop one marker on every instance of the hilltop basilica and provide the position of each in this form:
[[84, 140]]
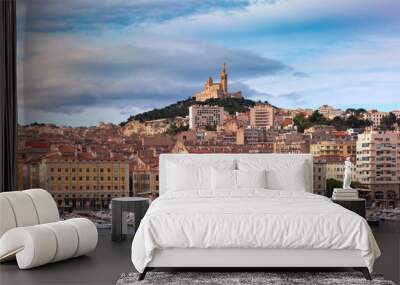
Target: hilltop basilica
[[217, 90]]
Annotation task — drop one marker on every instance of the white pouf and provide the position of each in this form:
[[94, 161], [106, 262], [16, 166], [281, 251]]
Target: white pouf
[[31, 232]]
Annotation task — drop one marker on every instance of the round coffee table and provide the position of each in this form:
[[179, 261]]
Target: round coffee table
[[120, 207]]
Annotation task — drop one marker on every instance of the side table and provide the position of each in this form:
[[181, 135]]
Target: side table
[[355, 205], [120, 207]]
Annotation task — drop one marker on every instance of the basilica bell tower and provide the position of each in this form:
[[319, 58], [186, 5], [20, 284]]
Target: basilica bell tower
[[224, 79]]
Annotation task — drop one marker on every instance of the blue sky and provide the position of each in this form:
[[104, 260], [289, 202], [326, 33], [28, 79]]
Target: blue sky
[[85, 61]]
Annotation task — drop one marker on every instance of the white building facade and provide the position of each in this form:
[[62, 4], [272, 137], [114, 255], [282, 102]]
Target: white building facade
[[378, 165], [202, 116]]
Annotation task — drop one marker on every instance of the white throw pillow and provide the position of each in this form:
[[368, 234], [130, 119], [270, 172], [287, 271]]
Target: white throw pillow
[[277, 180], [289, 174], [251, 178], [183, 177], [223, 179], [186, 176]]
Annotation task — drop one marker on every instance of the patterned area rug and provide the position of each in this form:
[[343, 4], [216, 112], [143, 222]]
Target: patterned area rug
[[269, 278]]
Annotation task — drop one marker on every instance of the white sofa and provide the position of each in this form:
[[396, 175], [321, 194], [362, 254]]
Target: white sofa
[[31, 230]]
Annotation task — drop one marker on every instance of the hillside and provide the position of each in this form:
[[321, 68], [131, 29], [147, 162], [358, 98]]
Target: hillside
[[181, 109]]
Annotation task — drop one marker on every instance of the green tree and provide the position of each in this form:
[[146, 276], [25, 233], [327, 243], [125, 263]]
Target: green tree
[[333, 183], [353, 121], [181, 108], [318, 119], [330, 184], [211, 128], [387, 122], [301, 122], [339, 123]]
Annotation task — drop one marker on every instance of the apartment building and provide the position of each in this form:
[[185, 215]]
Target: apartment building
[[319, 177], [252, 136], [335, 170], [338, 148], [378, 165], [145, 182], [292, 142], [79, 182], [201, 116], [375, 117], [262, 116]]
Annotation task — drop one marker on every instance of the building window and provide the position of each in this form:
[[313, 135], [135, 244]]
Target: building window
[[379, 195]]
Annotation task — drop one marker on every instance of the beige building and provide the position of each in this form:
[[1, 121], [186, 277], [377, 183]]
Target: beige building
[[378, 165], [201, 116], [292, 142], [342, 148], [252, 136], [335, 170], [145, 182], [217, 90], [329, 112], [76, 182], [375, 117], [396, 113], [262, 116]]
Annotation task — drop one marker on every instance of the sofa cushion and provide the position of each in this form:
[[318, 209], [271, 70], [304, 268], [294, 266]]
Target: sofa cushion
[[7, 218], [45, 205], [23, 208]]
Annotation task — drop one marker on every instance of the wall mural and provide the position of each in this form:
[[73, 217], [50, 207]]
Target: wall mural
[[104, 87]]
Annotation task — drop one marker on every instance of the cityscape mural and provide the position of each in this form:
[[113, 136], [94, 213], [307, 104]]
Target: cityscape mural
[[105, 87]]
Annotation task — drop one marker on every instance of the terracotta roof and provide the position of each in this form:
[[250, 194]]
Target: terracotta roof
[[37, 144]]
